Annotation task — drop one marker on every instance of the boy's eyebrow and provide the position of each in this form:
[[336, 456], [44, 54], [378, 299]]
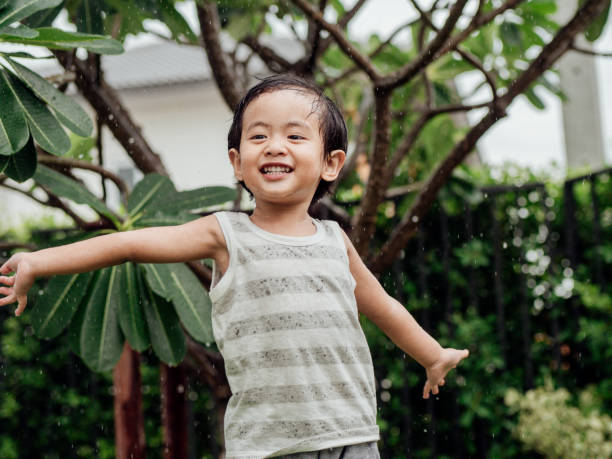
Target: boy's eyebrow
[[256, 124], [290, 123]]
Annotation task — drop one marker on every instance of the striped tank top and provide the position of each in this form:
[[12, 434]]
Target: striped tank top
[[285, 320]]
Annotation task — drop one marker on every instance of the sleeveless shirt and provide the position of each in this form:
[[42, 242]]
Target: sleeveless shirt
[[285, 320]]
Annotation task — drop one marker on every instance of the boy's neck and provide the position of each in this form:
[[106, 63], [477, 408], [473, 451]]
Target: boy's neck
[[288, 221]]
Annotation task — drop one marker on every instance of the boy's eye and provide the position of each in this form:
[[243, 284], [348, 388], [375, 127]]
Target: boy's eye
[[295, 137], [258, 137]]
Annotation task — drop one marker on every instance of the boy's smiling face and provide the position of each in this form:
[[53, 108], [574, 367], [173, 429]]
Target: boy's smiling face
[[281, 157]]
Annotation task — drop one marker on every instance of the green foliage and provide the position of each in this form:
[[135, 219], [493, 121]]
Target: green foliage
[[533, 272], [33, 110], [52, 406], [477, 389], [121, 302], [550, 425]]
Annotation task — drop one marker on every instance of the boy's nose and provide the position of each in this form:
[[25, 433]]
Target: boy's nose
[[276, 147]]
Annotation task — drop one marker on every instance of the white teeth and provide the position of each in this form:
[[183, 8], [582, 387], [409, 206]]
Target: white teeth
[[273, 169]]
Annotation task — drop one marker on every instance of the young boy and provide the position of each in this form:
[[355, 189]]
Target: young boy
[[286, 288]]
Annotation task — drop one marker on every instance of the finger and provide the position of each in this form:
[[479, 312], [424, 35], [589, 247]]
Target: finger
[[6, 280], [442, 382], [22, 304], [435, 390], [5, 269], [466, 353], [426, 390], [8, 300], [6, 290]]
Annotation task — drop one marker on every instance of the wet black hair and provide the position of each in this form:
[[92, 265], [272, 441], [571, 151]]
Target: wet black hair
[[331, 122]]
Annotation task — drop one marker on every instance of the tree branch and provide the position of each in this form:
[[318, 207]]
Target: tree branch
[[429, 53], [335, 31], [342, 23], [107, 104], [210, 28], [453, 108], [364, 222], [547, 57], [313, 42], [405, 146], [376, 52], [52, 201], [78, 164], [477, 21], [590, 52], [272, 60], [472, 59], [360, 141]]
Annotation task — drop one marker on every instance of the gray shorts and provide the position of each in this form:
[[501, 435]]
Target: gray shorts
[[367, 450]]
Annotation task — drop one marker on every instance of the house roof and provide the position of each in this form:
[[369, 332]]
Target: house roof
[[165, 63]]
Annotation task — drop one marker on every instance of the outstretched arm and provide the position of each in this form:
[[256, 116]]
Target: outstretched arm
[[399, 325], [201, 238]]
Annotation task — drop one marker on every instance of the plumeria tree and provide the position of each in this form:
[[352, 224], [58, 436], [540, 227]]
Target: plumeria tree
[[397, 92]]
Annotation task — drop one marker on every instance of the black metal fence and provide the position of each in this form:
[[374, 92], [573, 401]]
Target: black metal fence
[[525, 281]]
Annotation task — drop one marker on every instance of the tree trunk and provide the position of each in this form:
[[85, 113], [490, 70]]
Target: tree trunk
[[174, 411], [129, 421]]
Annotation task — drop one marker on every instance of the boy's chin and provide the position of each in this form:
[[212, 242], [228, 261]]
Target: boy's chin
[[282, 197]]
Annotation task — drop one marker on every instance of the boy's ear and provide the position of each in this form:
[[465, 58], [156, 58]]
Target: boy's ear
[[333, 165], [234, 157]]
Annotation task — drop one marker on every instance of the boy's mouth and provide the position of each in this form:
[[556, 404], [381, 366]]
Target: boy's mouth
[[276, 170]]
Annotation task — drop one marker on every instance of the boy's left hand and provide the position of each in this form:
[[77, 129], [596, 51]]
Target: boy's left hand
[[449, 359]]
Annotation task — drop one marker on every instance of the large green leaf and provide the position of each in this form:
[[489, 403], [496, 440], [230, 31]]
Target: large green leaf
[[176, 282], [24, 55], [194, 199], [21, 165], [19, 31], [167, 338], [160, 219], [155, 279], [16, 10], [53, 38], [150, 188], [45, 129], [4, 160], [65, 187], [14, 131], [43, 18], [76, 325], [60, 300], [68, 111], [130, 303], [101, 340]]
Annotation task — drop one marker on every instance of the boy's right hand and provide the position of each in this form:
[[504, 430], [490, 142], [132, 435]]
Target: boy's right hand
[[19, 284]]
